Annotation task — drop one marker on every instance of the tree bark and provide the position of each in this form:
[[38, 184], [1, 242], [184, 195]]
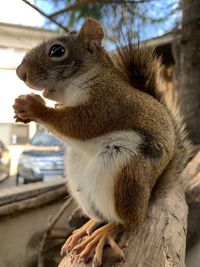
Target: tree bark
[[189, 67], [159, 242], [191, 184]]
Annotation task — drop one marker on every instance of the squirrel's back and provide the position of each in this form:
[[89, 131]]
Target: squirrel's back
[[141, 67]]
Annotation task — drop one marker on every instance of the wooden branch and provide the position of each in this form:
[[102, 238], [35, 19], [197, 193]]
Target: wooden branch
[[32, 202], [45, 15], [72, 7], [50, 225], [160, 241], [191, 183]]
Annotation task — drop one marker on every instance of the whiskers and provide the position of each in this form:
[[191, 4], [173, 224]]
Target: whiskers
[[91, 79], [84, 84], [60, 67], [50, 77]]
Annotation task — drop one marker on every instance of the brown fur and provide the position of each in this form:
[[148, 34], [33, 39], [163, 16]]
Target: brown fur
[[132, 191]]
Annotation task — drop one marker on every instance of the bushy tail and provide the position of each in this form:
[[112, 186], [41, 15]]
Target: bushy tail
[[183, 151], [142, 69]]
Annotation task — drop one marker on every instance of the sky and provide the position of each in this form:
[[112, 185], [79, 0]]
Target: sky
[[17, 12]]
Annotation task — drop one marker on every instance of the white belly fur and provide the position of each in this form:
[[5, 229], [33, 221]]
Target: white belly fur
[[92, 166]]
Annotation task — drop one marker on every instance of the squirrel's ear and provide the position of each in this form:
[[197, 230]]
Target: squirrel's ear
[[92, 34]]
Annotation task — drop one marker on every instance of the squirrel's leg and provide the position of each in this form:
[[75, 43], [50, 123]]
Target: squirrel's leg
[[78, 234], [92, 246], [132, 190]]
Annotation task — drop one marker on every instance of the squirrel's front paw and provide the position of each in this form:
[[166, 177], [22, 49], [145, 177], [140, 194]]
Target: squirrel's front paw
[[28, 108]]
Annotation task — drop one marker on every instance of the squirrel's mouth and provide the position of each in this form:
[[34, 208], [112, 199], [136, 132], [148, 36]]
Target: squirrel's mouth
[[47, 92]]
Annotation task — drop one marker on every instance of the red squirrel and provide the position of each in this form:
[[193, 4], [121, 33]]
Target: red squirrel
[[122, 135]]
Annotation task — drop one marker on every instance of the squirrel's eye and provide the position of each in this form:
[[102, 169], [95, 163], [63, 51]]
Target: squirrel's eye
[[56, 50]]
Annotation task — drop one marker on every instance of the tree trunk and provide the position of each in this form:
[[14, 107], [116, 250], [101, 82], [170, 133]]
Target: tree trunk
[[189, 67]]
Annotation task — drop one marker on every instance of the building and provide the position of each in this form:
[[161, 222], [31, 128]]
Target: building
[[15, 41]]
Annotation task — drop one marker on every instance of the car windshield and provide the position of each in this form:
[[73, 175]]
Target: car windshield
[[43, 138]]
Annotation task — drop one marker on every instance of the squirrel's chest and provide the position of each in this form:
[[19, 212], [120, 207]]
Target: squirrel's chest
[[92, 167]]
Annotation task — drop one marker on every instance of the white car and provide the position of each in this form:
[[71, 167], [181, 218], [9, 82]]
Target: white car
[[42, 159]]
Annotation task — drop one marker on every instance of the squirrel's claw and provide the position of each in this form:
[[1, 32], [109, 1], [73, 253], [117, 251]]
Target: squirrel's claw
[[78, 234], [92, 246]]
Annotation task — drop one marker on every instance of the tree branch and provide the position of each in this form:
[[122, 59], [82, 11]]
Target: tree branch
[[46, 16], [83, 3], [47, 232], [160, 241]]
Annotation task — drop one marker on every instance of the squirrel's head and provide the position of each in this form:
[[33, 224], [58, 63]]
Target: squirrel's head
[[64, 64]]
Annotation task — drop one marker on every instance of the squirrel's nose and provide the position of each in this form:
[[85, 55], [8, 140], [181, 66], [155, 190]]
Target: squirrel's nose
[[22, 72]]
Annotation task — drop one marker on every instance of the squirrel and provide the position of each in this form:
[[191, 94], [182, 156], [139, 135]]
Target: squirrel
[[121, 133]]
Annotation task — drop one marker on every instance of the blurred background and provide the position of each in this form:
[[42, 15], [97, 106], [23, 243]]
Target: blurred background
[[168, 25], [28, 153]]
